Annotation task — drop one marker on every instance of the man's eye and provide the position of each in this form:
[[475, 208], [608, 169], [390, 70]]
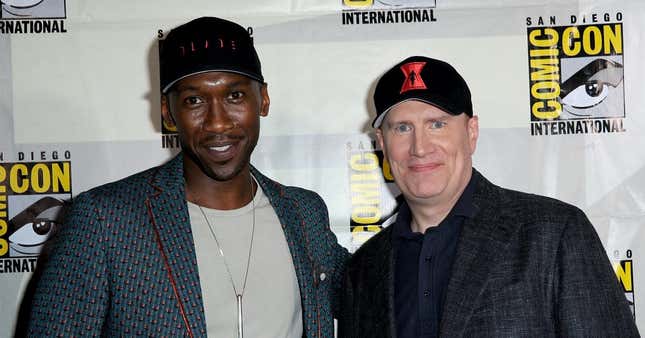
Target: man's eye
[[236, 95], [437, 124], [402, 128], [193, 100]]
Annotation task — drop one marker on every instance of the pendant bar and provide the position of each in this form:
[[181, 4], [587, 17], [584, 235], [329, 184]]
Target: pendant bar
[[240, 324]]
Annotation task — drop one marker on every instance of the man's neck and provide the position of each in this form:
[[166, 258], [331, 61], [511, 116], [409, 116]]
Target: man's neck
[[222, 195], [430, 213], [426, 216]]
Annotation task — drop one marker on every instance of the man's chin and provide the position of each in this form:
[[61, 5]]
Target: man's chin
[[219, 170], [423, 196], [224, 172], [419, 192]]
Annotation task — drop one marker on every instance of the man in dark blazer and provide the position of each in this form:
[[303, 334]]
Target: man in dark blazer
[[127, 262], [464, 257]]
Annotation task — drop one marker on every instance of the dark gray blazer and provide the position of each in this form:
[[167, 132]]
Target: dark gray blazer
[[526, 266]]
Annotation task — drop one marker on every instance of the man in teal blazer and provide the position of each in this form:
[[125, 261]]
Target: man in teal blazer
[[126, 263]]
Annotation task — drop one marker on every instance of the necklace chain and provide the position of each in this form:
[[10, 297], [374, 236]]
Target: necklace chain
[[221, 251]]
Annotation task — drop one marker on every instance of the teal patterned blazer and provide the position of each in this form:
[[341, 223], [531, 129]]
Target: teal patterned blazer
[[124, 264]]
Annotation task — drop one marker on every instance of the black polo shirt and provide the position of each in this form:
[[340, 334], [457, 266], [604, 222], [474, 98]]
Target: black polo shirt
[[422, 267]]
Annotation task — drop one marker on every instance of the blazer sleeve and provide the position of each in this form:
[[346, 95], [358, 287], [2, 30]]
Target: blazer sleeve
[[589, 300], [338, 255], [340, 259], [71, 295]]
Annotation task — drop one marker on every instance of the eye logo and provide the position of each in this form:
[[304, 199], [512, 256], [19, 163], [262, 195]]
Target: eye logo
[[412, 80], [590, 86], [33, 226], [21, 3], [32, 9], [17, 7]]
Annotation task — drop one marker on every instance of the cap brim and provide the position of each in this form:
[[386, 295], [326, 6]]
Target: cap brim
[[379, 119], [168, 86]]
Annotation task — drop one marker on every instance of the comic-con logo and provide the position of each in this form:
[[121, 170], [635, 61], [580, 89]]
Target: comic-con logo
[[32, 199], [576, 77], [32, 16], [372, 191], [169, 136], [624, 269], [360, 12]]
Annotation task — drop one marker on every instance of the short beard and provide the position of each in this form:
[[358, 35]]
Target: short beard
[[221, 176]]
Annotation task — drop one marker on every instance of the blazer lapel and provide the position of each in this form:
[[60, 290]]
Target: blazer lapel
[[482, 243], [168, 214]]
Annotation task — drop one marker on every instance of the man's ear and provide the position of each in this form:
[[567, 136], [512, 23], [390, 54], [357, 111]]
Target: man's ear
[[264, 94], [168, 119], [379, 138], [473, 133]]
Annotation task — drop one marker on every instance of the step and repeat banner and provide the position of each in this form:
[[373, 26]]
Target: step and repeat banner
[[557, 85]]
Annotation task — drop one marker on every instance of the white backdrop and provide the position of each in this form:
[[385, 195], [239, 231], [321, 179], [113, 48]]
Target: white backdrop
[[79, 105]]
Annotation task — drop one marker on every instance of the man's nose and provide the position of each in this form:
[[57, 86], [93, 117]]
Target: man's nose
[[421, 143], [218, 118]]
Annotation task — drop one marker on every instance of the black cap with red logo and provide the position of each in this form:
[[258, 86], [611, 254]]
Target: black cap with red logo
[[207, 44], [423, 79]]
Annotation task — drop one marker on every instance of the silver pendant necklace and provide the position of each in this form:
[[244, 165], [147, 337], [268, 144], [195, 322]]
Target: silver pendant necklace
[[238, 295]]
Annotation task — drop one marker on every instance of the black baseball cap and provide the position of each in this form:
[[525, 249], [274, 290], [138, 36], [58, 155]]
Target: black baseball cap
[[207, 44], [424, 79]]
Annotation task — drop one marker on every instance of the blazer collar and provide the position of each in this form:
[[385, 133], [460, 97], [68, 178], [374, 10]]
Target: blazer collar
[[169, 216]]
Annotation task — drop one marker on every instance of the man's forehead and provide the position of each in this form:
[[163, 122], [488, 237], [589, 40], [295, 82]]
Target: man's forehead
[[415, 109], [213, 78]]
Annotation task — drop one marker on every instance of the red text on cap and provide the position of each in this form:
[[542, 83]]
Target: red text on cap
[[192, 46]]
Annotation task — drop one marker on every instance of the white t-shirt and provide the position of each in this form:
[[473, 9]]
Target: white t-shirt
[[271, 301]]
